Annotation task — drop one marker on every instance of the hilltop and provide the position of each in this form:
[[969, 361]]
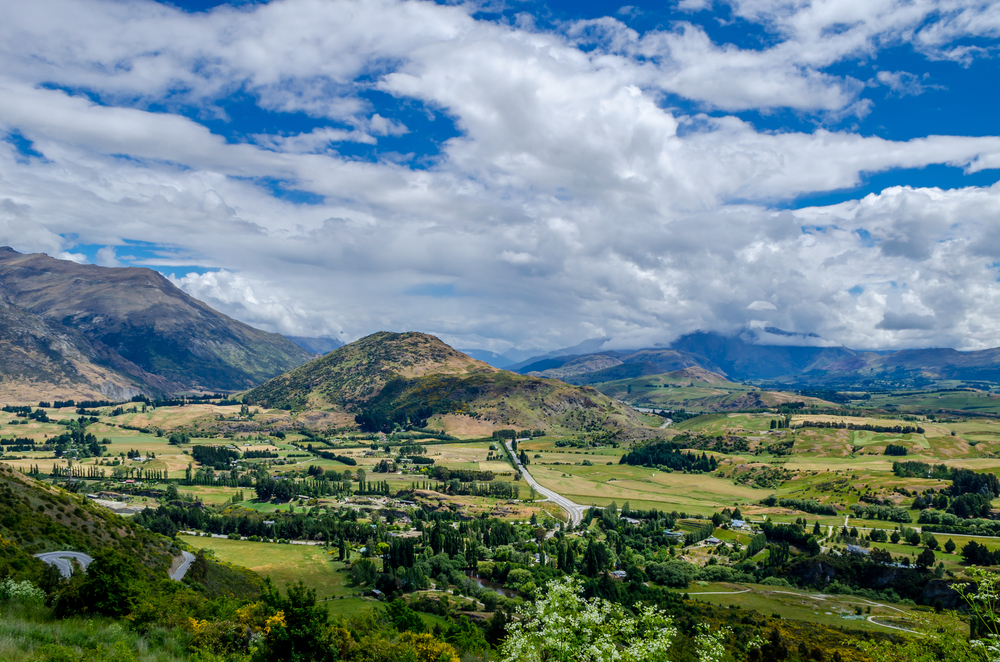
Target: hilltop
[[83, 330], [412, 378]]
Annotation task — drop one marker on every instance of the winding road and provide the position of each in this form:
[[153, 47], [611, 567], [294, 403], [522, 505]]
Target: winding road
[[182, 569], [64, 561], [574, 510]]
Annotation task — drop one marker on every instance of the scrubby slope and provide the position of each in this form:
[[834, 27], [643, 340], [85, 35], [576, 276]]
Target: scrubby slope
[[355, 373], [38, 517], [408, 378]]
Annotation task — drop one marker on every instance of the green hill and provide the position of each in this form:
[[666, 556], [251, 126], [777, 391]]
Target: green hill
[[38, 517], [700, 390], [410, 378]]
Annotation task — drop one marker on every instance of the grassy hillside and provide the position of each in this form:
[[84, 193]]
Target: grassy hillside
[[413, 378], [357, 372], [38, 517], [700, 390]]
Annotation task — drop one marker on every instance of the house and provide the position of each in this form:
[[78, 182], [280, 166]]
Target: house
[[855, 549], [712, 540], [618, 574]]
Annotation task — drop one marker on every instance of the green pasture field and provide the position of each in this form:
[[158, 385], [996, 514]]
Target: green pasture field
[[644, 488], [284, 564], [724, 424], [826, 609], [950, 401]]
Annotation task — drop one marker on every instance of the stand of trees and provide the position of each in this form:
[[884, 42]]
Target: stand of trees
[[668, 454]]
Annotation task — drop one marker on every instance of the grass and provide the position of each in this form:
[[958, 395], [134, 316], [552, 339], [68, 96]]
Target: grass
[[282, 563], [26, 631], [644, 488], [825, 609]]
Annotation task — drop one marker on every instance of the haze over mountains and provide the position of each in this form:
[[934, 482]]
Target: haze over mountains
[[741, 357], [74, 330]]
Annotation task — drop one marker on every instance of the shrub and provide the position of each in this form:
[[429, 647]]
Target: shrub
[[20, 592]]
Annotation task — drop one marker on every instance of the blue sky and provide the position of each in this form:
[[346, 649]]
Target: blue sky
[[521, 174]]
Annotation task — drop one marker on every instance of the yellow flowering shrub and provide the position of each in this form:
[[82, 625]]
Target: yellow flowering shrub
[[429, 649]]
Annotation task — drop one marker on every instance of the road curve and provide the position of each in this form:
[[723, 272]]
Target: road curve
[[64, 561], [574, 510], [182, 569]]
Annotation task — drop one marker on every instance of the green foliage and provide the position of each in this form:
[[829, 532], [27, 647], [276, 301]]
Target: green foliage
[[305, 636], [112, 586]]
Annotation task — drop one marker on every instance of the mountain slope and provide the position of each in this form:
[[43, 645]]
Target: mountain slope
[[43, 360], [144, 319], [611, 365], [740, 359], [408, 378]]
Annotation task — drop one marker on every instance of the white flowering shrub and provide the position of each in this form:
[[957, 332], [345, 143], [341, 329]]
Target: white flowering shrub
[[21, 592], [984, 603], [561, 626], [711, 645]]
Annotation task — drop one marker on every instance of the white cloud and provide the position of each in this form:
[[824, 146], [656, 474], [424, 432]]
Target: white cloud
[[107, 257], [762, 305], [902, 83], [238, 297], [572, 201]]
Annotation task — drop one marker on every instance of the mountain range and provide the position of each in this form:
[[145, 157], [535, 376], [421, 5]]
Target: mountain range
[[741, 357], [71, 330]]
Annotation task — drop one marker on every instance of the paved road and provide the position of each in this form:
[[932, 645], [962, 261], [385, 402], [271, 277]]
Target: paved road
[[182, 569], [64, 561], [574, 510]]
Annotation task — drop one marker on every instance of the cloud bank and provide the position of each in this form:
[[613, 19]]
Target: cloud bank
[[597, 182]]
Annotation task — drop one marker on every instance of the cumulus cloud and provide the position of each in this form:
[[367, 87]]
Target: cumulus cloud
[[573, 202], [238, 297], [107, 257]]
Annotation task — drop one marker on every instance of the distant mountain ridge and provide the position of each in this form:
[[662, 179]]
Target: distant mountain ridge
[[316, 345], [739, 357], [80, 330]]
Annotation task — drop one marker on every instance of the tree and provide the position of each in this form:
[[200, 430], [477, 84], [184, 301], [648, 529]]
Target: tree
[[881, 556], [301, 634], [112, 586], [563, 627], [950, 546], [816, 529], [403, 618], [925, 559], [894, 538]]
